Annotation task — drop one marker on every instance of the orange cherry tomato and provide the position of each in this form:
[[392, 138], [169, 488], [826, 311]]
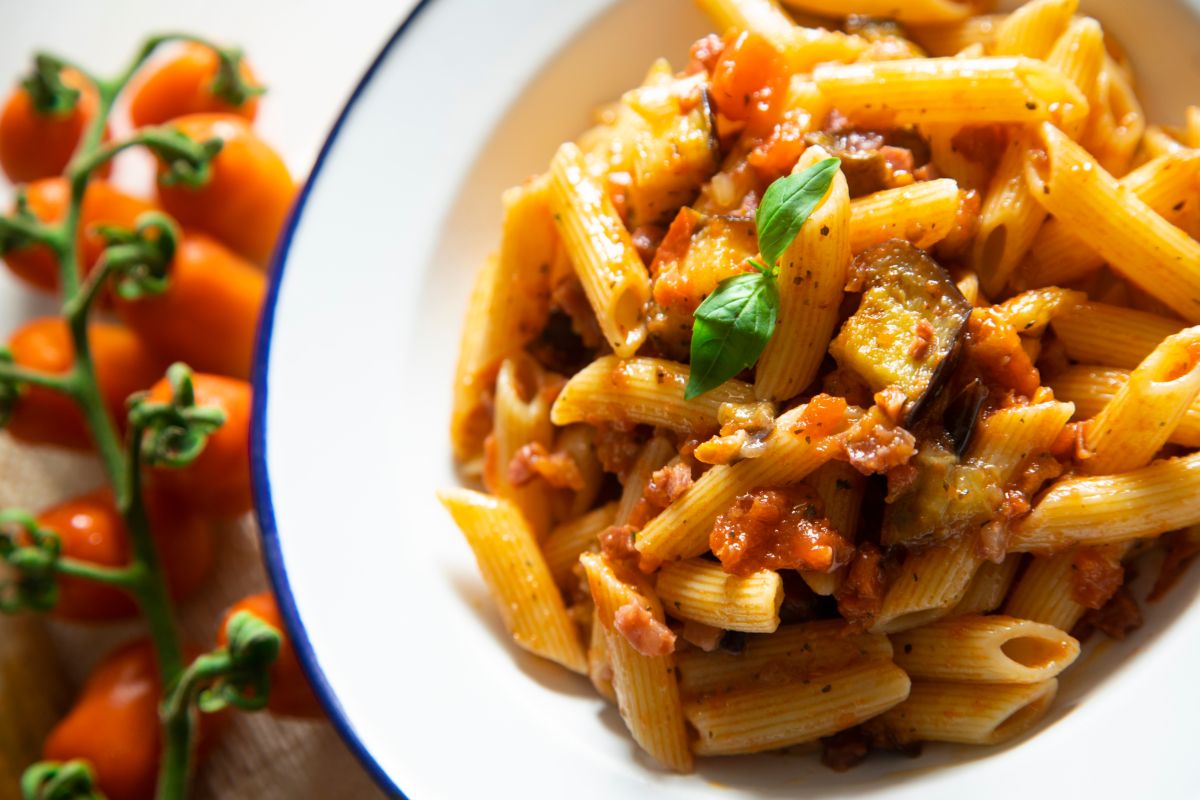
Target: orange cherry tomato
[[48, 199], [749, 79], [36, 264], [248, 193], [91, 529], [183, 85], [209, 313], [291, 694], [217, 483], [123, 366], [38, 145], [114, 724]]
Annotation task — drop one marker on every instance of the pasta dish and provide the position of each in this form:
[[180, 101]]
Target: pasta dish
[[823, 390]]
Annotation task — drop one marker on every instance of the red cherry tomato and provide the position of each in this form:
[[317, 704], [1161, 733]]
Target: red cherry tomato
[[183, 85], [291, 694], [248, 193]]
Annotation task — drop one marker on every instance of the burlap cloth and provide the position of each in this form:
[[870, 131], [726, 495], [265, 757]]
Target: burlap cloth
[[42, 661]]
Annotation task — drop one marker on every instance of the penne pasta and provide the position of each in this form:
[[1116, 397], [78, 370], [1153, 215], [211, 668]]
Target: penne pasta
[[989, 587], [1097, 333], [1106, 509], [840, 487], [1032, 29], [522, 417], [645, 686], [646, 391], [470, 417], [1147, 408], [984, 649], [1044, 592], [1059, 255], [613, 276], [569, 540], [766, 717], [1090, 389], [951, 38], [969, 713], [923, 213], [793, 652], [1138, 243], [930, 90], [702, 591], [517, 576], [812, 272], [653, 455], [929, 584]]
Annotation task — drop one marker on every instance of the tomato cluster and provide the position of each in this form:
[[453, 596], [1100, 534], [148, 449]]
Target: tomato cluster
[[207, 318]]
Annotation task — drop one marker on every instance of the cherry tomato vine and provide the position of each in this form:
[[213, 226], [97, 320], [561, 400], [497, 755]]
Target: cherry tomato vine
[[167, 429]]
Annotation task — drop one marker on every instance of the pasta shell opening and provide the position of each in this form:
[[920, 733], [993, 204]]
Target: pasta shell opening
[[1038, 652]]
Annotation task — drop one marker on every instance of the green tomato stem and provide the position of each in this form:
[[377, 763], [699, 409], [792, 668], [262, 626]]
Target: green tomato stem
[[17, 373]]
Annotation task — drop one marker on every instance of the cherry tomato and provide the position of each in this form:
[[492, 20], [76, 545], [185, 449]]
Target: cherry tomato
[[38, 145], [247, 196], [217, 483], [36, 264], [749, 79], [209, 313], [123, 366], [114, 724], [48, 199], [183, 85], [291, 694], [91, 529]]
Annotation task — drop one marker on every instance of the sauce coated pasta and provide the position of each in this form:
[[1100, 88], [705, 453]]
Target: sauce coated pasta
[[822, 390]]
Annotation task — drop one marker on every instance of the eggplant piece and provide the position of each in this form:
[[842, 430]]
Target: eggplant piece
[[962, 413], [949, 497], [865, 161], [675, 148], [698, 252], [909, 325]]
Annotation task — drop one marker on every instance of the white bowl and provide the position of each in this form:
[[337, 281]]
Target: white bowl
[[352, 403]]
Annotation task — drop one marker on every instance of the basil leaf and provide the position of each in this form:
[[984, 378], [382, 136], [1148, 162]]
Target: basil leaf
[[731, 328], [787, 203]]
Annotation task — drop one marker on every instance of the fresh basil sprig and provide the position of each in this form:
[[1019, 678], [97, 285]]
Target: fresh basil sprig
[[735, 322]]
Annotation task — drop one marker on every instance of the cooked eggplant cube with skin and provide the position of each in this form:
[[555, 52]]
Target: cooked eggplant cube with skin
[[675, 151], [908, 325]]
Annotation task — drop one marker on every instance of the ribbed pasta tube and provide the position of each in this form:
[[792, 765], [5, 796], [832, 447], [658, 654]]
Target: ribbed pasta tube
[[646, 687], [802, 47], [645, 391], [984, 649], [1059, 255], [969, 713], [1092, 388], [771, 716], [793, 652], [1105, 509], [701, 590], [840, 487], [614, 278], [924, 213], [1032, 29], [961, 90], [989, 587], [1098, 333], [1147, 408], [1137, 242], [517, 576], [565, 543]]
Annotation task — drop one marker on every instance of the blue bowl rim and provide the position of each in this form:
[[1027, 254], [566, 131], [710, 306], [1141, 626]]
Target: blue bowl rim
[[265, 510]]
